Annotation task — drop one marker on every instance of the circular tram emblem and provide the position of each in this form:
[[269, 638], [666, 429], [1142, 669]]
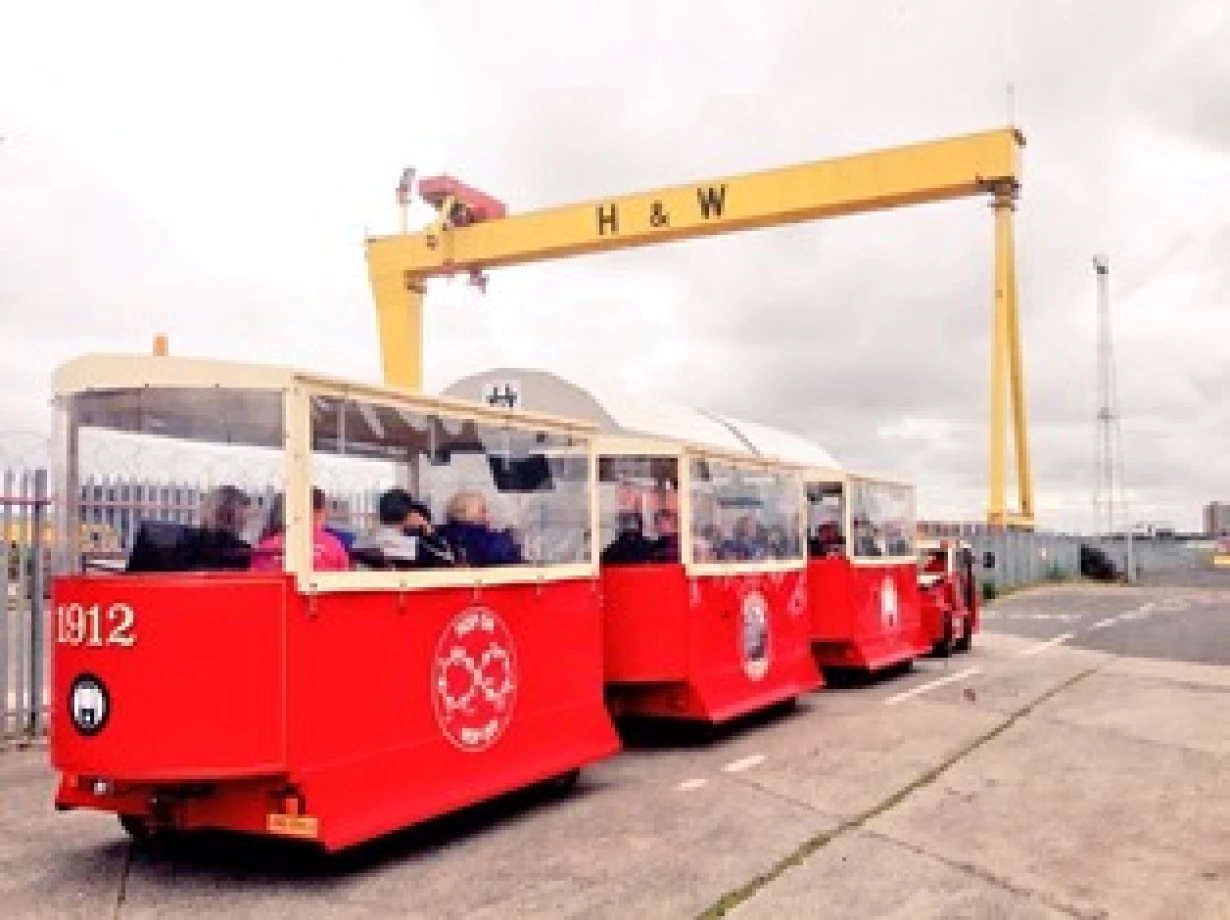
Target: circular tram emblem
[[474, 679], [888, 605], [89, 704], [754, 640]]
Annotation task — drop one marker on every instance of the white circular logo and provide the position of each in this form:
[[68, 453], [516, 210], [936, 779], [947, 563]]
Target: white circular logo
[[474, 679], [88, 704], [888, 605], [755, 636]]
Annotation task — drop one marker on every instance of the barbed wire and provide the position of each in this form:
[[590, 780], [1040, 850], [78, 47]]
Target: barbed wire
[[24, 448]]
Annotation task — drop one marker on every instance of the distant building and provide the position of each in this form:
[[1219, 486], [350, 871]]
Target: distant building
[[1217, 519]]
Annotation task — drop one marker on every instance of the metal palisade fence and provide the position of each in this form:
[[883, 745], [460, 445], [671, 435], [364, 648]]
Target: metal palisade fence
[[24, 653], [111, 509]]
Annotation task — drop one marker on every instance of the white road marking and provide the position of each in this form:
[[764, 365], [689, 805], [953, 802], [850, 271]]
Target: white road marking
[[745, 764], [1102, 624], [951, 678], [689, 784], [1062, 617], [1049, 643], [1139, 613]]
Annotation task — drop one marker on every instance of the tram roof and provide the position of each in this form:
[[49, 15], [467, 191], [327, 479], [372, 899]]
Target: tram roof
[[124, 371], [622, 415]]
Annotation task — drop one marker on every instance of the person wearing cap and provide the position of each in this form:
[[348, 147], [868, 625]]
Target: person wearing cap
[[404, 538]]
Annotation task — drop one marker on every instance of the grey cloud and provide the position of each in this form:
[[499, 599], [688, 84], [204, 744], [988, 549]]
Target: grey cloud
[[870, 334]]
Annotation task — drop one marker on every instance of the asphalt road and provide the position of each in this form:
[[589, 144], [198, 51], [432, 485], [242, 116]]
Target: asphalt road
[[1180, 618]]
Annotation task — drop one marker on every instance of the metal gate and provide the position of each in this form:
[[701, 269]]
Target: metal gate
[[26, 528]]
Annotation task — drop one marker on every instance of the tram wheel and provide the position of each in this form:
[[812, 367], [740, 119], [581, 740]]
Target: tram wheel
[[944, 647], [565, 782], [967, 636], [137, 827], [144, 831]]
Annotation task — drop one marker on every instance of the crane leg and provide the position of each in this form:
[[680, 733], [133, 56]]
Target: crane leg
[[996, 507], [1016, 378], [399, 311]]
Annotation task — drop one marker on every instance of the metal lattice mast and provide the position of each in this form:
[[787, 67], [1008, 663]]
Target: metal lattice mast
[[1108, 493]]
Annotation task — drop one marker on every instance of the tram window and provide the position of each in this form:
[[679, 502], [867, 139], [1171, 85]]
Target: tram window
[[638, 509], [826, 516], [743, 514], [882, 519], [171, 471], [494, 494]]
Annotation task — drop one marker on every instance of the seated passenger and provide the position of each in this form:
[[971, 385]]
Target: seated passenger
[[470, 534], [898, 545], [866, 544], [404, 537], [745, 545], [777, 542], [630, 546], [328, 554], [826, 541], [219, 543], [666, 547]]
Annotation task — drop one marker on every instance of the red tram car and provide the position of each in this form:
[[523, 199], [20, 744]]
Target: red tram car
[[212, 686], [865, 606], [951, 606]]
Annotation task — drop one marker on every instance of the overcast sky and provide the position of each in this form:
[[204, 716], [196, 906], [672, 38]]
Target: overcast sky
[[210, 171]]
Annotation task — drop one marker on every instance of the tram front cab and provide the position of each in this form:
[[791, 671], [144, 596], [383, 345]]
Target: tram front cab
[[703, 581], [862, 572], [250, 672], [948, 590]]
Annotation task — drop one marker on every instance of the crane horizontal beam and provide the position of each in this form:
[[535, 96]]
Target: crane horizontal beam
[[914, 174]]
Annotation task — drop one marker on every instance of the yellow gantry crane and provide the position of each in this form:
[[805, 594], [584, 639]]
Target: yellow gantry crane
[[474, 233]]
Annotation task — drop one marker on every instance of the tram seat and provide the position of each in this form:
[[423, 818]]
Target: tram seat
[[370, 558], [164, 546]]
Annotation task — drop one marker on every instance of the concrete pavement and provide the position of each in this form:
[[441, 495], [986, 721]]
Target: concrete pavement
[[1027, 779]]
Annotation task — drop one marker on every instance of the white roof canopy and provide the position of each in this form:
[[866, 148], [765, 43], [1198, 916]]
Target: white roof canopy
[[539, 391]]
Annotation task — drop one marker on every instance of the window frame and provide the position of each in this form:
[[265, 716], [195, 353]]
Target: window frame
[[876, 480], [685, 454], [814, 477], [298, 546]]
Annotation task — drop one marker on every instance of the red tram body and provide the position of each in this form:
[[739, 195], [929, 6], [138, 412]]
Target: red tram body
[[865, 617], [692, 647], [679, 565], [324, 717]]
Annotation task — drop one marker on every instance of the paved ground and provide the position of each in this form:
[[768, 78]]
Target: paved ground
[[1030, 778]]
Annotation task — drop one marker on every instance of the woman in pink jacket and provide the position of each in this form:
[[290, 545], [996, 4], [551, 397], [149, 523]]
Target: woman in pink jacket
[[328, 554]]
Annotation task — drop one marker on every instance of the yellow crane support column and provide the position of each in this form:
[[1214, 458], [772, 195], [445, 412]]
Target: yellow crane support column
[[399, 311], [1007, 377]]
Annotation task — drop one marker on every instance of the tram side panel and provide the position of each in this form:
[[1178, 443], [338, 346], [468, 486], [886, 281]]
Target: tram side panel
[[709, 647], [753, 642], [403, 707], [873, 621], [645, 615], [165, 679], [241, 704]]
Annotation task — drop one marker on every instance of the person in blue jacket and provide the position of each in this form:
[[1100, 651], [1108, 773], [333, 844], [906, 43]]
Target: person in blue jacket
[[474, 541]]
